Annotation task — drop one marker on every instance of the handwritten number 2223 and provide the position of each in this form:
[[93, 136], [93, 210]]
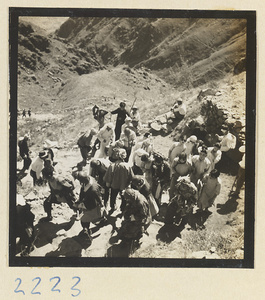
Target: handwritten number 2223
[[54, 289]]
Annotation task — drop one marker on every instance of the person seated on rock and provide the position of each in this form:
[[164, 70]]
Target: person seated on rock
[[37, 166], [179, 109], [136, 217], [24, 226], [214, 154], [182, 203], [90, 203], [85, 144], [62, 190]]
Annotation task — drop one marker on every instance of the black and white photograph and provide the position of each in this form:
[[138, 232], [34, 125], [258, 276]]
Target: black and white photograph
[[132, 137]]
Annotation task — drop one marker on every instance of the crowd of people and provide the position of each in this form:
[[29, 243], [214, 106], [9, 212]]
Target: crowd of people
[[119, 162]]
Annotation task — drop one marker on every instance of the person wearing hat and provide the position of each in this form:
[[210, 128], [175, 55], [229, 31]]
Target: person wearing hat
[[106, 136], [90, 202], [179, 109], [136, 119], [61, 188], [37, 166], [127, 124], [114, 148], [121, 113], [99, 167], [136, 217], [84, 143], [118, 177], [190, 145], [129, 139], [24, 152]]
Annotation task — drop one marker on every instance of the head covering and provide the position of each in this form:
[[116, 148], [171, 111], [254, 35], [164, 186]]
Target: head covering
[[179, 100], [110, 125], [20, 200], [242, 149], [119, 143], [93, 131], [26, 136], [122, 104], [193, 138], [128, 119], [129, 194], [122, 154], [82, 176], [43, 154], [135, 108]]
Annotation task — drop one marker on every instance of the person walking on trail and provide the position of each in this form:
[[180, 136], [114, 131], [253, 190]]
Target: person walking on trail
[[61, 188], [136, 120], [90, 203], [24, 226], [106, 136], [24, 113], [139, 183], [129, 139], [84, 143], [37, 166], [181, 205], [99, 167], [24, 152], [209, 189], [160, 176], [200, 165], [240, 178], [214, 154], [136, 217], [118, 177], [180, 167], [99, 115], [121, 113], [29, 112]]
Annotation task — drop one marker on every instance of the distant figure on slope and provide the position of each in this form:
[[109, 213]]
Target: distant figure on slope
[[24, 113], [29, 112], [121, 116], [84, 143]]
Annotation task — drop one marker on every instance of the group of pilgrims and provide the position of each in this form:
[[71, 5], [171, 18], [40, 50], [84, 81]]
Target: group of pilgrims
[[122, 174]]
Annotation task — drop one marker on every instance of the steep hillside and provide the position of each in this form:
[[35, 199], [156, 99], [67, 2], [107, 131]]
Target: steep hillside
[[184, 52]]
